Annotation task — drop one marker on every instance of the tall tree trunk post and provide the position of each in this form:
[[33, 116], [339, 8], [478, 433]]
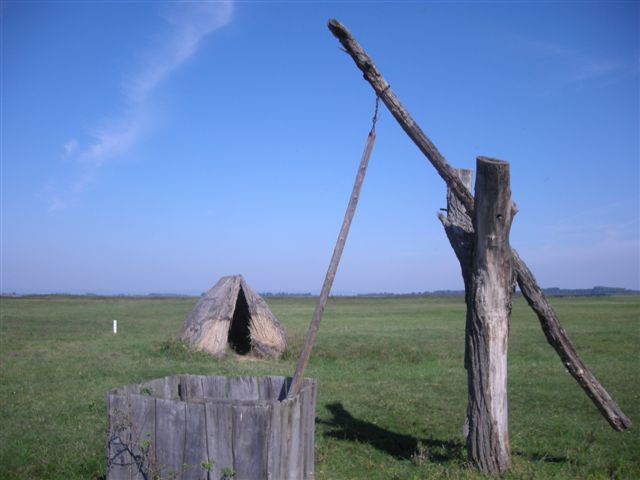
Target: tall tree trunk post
[[491, 289]]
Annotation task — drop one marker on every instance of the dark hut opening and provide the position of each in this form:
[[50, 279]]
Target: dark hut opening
[[239, 337]]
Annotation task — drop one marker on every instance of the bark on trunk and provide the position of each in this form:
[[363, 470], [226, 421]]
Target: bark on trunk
[[491, 289], [459, 230]]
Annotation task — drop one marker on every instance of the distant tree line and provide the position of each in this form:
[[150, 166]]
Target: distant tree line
[[598, 291]]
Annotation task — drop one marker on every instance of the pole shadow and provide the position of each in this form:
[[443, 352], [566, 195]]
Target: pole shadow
[[344, 426]]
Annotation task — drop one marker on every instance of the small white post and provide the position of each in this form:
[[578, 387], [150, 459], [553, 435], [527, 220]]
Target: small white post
[[115, 326]]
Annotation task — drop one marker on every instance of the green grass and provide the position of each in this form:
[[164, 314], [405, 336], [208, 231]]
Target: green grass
[[392, 387]]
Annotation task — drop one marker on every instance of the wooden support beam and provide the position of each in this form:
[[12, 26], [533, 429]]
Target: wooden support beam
[[526, 281], [383, 90], [558, 339]]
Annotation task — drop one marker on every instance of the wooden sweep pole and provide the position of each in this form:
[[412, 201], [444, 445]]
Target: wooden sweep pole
[[532, 292], [312, 333]]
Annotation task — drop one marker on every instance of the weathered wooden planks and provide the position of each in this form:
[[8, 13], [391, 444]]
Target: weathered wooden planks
[[184, 426], [195, 443], [143, 432], [171, 431], [219, 418], [119, 437]]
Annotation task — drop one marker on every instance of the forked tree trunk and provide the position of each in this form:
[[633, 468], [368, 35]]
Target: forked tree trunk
[[489, 280], [490, 291], [530, 289], [459, 229]]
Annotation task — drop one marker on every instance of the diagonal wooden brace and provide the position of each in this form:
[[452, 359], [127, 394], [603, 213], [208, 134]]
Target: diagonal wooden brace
[[554, 332]]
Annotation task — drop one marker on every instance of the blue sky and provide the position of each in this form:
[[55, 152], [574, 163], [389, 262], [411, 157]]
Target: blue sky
[[154, 147]]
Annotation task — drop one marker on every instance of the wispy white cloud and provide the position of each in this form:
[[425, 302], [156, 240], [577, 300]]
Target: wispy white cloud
[[596, 246], [587, 69], [187, 25], [55, 204], [70, 148], [574, 67]]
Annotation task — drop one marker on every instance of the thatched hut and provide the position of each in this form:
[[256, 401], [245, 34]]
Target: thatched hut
[[232, 313]]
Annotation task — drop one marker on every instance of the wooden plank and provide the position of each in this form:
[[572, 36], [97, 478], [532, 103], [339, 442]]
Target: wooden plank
[[219, 426], [154, 387], [264, 388], [190, 388], [143, 415], [270, 389], [215, 387], [308, 428], [195, 448], [279, 387], [294, 453], [275, 451], [250, 441], [119, 438], [131, 389], [171, 386], [183, 388], [170, 436], [229, 401], [243, 388]]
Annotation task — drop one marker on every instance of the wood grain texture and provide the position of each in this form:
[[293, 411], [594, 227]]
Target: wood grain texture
[[143, 418], [171, 431], [308, 399], [119, 438], [294, 444], [526, 281], [275, 454], [244, 424], [219, 419], [490, 291], [459, 229], [243, 388], [251, 425], [195, 446], [215, 387]]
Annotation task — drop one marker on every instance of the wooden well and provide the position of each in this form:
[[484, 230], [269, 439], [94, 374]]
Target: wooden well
[[195, 427]]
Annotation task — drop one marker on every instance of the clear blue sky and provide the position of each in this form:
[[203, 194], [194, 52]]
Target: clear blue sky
[[154, 147]]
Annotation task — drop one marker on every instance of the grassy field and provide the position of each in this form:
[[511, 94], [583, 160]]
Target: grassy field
[[392, 388]]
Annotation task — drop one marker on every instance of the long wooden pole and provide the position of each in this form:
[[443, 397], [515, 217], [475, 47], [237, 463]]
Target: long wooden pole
[[312, 333], [406, 121], [554, 332]]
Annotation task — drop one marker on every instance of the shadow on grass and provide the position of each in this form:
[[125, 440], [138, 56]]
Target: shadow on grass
[[403, 447], [345, 426], [540, 457]]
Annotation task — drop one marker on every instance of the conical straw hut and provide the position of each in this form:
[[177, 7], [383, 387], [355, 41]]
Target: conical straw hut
[[231, 313]]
